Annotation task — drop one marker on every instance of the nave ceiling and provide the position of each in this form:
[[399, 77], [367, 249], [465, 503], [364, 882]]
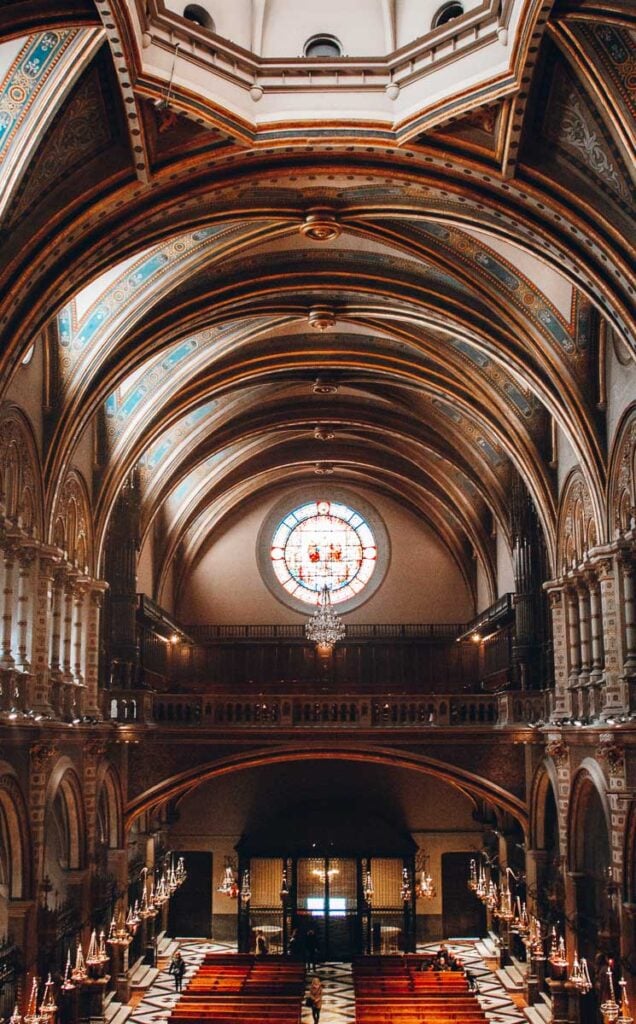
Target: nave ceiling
[[174, 275]]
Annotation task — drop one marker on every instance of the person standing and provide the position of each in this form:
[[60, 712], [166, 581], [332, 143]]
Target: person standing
[[177, 970], [296, 946], [315, 998], [262, 949], [311, 948]]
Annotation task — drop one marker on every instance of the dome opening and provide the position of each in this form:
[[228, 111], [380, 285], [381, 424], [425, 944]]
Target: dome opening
[[323, 46], [199, 15], [446, 13]]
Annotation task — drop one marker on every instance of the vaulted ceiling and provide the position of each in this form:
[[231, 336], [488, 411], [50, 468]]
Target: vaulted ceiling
[[207, 298]]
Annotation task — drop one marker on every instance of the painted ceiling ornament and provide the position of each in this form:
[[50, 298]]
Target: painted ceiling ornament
[[324, 433], [320, 225], [321, 318], [321, 386]]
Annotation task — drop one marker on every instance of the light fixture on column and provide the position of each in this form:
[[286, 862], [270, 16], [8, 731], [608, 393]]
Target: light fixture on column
[[405, 887], [246, 892], [325, 627], [284, 887], [367, 889]]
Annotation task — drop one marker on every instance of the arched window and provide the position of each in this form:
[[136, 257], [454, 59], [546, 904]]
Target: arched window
[[323, 46], [199, 15], [447, 12]]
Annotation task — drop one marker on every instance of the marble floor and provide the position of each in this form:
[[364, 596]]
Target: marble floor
[[338, 1006]]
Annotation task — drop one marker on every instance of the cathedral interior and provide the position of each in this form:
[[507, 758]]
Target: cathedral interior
[[317, 486]]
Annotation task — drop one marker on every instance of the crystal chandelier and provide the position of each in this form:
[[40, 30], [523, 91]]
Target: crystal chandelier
[[324, 875], [325, 627]]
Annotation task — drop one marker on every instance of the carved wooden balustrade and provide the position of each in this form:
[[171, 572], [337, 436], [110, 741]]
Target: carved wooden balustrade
[[307, 711]]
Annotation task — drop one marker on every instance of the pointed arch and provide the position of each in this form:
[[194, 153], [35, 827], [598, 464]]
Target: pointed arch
[[71, 521], [20, 472], [621, 487]]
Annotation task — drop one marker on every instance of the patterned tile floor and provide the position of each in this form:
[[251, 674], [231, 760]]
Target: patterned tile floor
[[338, 1005]]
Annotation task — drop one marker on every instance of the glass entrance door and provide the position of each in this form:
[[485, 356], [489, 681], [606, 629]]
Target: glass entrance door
[[326, 901]]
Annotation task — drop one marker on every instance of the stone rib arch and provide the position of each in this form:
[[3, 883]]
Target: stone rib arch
[[588, 777], [171, 788], [64, 783], [14, 809], [109, 793], [545, 778]]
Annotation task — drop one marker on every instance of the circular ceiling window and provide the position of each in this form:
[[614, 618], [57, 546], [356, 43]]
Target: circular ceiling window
[[328, 538]]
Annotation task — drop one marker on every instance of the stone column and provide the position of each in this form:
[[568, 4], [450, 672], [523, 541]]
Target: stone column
[[629, 612], [574, 647], [92, 659], [56, 625], [6, 657], [596, 629], [79, 595], [615, 690], [39, 698], [67, 630], [562, 698], [25, 607], [583, 597]]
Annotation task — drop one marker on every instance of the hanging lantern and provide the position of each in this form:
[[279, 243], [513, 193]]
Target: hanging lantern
[[181, 873], [472, 877], [67, 983], [92, 956], [228, 882], [580, 976], [610, 1008], [133, 920], [505, 911], [48, 1006], [32, 1016], [624, 1016], [79, 971]]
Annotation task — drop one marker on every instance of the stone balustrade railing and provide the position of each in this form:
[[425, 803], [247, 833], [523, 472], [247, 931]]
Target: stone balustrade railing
[[310, 711]]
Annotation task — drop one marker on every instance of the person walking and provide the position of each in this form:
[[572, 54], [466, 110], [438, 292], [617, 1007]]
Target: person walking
[[314, 999], [177, 970]]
